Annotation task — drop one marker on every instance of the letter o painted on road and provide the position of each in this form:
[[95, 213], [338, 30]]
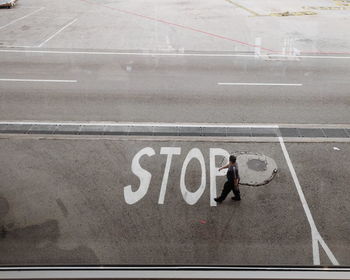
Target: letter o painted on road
[[192, 197]]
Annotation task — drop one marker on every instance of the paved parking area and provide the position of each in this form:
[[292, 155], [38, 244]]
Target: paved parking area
[[67, 200], [173, 26]]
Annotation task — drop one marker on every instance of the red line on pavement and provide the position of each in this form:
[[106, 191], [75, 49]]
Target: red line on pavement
[[183, 26], [208, 33]]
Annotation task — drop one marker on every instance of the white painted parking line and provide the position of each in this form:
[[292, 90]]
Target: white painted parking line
[[35, 80], [14, 21], [316, 237], [258, 84], [56, 33], [15, 46], [175, 54]]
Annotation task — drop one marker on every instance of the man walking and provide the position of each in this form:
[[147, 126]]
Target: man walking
[[232, 183]]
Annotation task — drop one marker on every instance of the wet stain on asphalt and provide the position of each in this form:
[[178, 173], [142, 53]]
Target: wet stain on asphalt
[[62, 207], [4, 207], [257, 165], [36, 244]]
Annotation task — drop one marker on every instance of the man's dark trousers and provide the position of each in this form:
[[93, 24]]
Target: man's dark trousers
[[229, 186]]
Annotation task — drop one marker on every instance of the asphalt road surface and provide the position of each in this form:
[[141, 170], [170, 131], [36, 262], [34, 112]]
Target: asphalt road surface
[[64, 201], [179, 88], [80, 199]]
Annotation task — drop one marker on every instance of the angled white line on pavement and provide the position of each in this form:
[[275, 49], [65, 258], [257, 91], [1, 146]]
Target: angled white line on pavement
[[35, 80], [316, 237], [168, 54], [14, 21], [56, 33], [257, 84]]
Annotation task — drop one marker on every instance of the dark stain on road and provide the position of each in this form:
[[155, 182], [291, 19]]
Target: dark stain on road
[[257, 164], [62, 207], [4, 207], [25, 27], [36, 244]]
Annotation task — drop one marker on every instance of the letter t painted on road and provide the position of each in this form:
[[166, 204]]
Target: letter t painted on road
[[170, 151]]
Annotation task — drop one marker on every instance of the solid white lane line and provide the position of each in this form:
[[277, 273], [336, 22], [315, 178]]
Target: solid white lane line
[[56, 33], [167, 54], [35, 80], [258, 84], [142, 124], [316, 237], [14, 21]]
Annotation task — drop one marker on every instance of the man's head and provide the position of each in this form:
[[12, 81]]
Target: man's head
[[232, 159]]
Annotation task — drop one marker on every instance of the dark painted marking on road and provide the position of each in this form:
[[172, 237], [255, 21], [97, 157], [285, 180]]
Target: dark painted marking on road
[[62, 207]]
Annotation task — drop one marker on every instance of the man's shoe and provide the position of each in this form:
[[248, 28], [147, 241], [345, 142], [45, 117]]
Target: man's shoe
[[218, 200], [235, 198]]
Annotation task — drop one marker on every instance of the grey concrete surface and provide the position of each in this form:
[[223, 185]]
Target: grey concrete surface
[[323, 173], [62, 202], [197, 25], [173, 89]]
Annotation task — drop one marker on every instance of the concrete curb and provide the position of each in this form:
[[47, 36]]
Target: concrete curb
[[175, 130]]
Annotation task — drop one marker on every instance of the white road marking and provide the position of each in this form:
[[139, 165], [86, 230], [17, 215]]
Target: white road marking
[[174, 124], [316, 237], [56, 33], [172, 54], [39, 81], [14, 21], [15, 46], [258, 84], [214, 170], [190, 197], [257, 48], [169, 151], [130, 196], [142, 124]]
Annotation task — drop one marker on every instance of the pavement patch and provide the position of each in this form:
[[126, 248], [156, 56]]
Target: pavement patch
[[255, 169], [286, 14]]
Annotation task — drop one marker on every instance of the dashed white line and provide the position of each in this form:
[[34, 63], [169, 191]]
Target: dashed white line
[[258, 84], [36, 80], [14, 21], [56, 33], [316, 237]]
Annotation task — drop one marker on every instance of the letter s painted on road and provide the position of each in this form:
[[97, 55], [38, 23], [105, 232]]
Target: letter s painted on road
[[131, 196]]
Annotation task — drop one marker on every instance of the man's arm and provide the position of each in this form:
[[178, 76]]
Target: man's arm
[[236, 177], [223, 167]]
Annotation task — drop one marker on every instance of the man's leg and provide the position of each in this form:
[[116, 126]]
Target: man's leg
[[225, 191], [237, 193]]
